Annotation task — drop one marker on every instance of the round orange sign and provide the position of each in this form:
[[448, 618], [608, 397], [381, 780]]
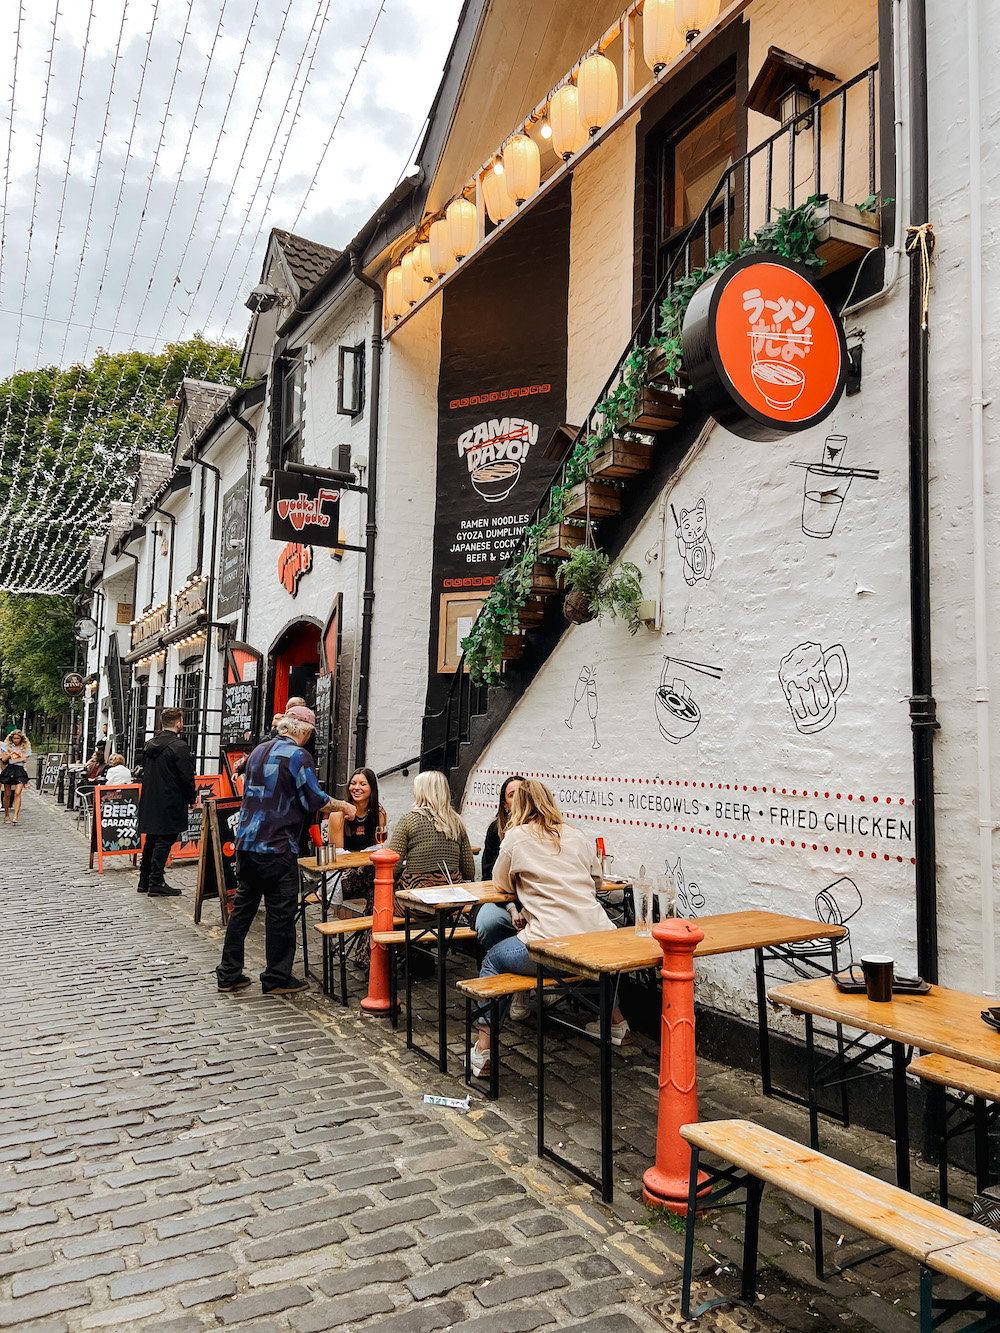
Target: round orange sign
[[764, 352]]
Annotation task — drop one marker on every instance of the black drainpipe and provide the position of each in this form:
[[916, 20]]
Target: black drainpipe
[[923, 718], [368, 609]]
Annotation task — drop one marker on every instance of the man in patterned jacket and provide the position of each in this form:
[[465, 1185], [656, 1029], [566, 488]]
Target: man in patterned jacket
[[281, 792]]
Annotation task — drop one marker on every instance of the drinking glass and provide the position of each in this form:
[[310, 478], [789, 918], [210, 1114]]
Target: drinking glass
[[381, 834], [666, 896], [642, 892]]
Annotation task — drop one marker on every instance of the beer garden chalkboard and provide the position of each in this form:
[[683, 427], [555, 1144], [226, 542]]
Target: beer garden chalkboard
[[115, 827]]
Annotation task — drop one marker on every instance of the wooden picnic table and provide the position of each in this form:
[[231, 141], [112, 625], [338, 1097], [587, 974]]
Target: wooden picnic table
[[943, 1022]]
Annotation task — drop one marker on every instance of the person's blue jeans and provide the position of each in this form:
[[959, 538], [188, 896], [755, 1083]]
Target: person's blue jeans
[[493, 924], [507, 955]]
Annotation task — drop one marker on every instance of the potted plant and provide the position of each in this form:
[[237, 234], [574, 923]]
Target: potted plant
[[594, 591]]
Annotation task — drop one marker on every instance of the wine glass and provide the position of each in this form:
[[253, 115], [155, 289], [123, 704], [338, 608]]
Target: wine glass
[[381, 834]]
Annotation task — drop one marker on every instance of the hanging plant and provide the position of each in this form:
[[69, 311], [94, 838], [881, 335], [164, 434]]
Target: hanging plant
[[596, 592]]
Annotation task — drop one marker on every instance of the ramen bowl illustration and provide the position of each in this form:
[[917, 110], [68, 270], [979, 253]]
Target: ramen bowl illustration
[[495, 481], [779, 383], [676, 711]]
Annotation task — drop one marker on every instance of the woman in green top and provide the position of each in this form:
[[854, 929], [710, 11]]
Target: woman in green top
[[431, 839]]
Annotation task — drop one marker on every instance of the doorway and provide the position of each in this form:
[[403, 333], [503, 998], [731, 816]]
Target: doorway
[[294, 665]]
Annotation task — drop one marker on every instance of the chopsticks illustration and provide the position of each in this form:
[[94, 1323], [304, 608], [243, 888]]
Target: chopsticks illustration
[[713, 671], [831, 470]]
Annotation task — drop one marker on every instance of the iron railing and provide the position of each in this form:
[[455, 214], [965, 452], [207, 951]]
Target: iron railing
[[768, 177]]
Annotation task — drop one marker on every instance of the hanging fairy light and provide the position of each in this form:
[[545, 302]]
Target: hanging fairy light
[[395, 303], [442, 255], [496, 196], [413, 284], [545, 130], [461, 217], [521, 167], [568, 133], [597, 89], [662, 40], [694, 16]]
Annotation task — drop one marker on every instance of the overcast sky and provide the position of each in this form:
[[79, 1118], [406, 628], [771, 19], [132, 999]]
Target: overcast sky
[[151, 147]]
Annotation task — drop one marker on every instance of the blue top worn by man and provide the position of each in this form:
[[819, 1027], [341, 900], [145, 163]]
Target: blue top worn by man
[[281, 794]]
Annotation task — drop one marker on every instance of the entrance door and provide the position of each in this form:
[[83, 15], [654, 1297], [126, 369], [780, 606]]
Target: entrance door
[[295, 666]]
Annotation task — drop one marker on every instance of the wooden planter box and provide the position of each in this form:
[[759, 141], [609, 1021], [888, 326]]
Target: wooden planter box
[[657, 370], [531, 613], [595, 497], [513, 647], [561, 540], [621, 458], [543, 580], [657, 411], [843, 234]]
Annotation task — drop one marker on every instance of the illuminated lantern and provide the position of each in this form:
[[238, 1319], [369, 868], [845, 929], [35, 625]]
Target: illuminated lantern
[[413, 284], [662, 41], [521, 167], [597, 90], [442, 255], [394, 303], [568, 134], [496, 196], [694, 16], [422, 262], [461, 216]]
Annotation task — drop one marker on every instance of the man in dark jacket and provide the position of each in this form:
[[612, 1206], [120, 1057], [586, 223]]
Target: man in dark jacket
[[168, 791]]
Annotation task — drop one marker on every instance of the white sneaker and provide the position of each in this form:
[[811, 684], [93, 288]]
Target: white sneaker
[[480, 1061], [619, 1032], [520, 1006]]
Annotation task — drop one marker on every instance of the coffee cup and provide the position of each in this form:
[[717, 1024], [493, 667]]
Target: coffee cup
[[878, 978]]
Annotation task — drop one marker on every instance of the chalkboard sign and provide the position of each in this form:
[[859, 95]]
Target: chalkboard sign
[[50, 772], [186, 846], [217, 854], [324, 701], [239, 708], [115, 828]]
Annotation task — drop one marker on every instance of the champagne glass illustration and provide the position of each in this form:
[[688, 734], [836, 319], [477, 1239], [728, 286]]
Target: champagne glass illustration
[[578, 692], [592, 706]]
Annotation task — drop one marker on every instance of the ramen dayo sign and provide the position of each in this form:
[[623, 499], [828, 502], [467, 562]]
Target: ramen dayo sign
[[764, 352]]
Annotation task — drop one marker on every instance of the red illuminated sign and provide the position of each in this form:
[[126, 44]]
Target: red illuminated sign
[[764, 352]]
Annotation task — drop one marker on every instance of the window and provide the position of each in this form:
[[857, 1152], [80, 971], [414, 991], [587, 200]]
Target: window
[[691, 165], [138, 702], [187, 697], [351, 381], [456, 616], [291, 408]]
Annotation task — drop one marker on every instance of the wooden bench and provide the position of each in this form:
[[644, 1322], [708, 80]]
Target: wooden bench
[[423, 935], [938, 1240], [342, 930], [968, 1081]]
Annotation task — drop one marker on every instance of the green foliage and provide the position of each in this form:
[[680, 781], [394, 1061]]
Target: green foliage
[[67, 439], [588, 571], [36, 651]]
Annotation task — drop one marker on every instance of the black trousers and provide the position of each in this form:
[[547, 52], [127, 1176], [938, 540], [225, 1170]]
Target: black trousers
[[273, 877], [155, 851]]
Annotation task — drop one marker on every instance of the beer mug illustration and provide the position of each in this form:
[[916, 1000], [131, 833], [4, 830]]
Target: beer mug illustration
[[813, 678]]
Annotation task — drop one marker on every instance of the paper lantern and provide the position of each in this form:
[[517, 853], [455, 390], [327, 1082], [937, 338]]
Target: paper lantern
[[442, 255], [461, 216], [496, 196], [694, 16], [413, 285], [597, 90], [568, 134], [662, 42], [394, 303], [422, 262], [521, 167]]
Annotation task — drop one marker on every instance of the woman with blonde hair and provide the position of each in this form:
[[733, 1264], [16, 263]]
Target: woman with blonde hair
[[431, 840], [554, 872], [15, 752]]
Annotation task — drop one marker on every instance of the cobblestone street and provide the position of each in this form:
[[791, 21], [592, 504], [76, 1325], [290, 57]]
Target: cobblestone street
[[173, 1159]]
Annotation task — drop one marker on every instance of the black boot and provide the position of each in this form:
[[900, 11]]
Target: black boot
[[163, 890], [143, 886]]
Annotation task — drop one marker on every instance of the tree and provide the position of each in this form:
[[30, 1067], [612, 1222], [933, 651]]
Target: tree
[[36, 651], [68, 439]]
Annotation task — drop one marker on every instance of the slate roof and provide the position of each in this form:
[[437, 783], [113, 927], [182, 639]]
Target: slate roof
[[308, 260]]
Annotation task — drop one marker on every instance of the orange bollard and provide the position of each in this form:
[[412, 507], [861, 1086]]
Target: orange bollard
[[377, 1000], [665, 1185]]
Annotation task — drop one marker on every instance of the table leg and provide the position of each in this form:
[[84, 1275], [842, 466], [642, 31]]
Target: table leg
[[763, 1036], [407, 988], [442, 980], [540, 1060], [607, 1126], [901, 1115], [981, 1136]]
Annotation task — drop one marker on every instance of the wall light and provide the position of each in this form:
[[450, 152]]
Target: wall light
[[496, 196], [461, 217], [568, 133], [597, 87], [521, 167]]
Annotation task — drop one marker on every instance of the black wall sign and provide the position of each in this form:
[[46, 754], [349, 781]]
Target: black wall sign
[[50, 773], [229, 590], [305, 510], [217, 855], [501, 394], [324, 711], [239, 708]]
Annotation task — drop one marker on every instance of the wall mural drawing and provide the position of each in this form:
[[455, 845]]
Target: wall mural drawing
[[688, 895], [586, 684], [825, 487], [677, 711], [693, 542], [805, 678]]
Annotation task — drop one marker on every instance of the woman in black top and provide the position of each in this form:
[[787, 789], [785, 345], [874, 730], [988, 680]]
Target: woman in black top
[[498, 827], [354, 835]]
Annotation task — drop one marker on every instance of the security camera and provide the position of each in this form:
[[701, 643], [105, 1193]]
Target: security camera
[[262, 297]]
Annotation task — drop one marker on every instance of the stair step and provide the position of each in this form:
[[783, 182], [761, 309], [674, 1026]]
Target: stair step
[[597, 498], [543, 580], [621, 458], [657, 411], [532, 612], [561, 539]]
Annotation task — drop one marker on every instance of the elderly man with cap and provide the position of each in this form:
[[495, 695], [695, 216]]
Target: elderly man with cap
[[281, 793]]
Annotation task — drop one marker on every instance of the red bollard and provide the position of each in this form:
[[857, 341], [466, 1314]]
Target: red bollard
[[377, 1000], [665, 1185]]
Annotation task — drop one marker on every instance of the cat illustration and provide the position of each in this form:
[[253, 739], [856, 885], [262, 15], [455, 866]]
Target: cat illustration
[[693, 543]]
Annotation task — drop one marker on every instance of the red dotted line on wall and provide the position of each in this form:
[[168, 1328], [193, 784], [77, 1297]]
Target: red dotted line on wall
[[763, 788]]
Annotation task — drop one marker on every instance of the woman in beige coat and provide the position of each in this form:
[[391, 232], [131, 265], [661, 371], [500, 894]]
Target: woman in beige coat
[[554, 872]]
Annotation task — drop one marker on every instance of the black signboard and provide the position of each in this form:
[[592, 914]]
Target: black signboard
[[115, 828], [232, 546], [50, 773], [324, 718], [239, 708], [305, 510], [217, 854], [501, 394]]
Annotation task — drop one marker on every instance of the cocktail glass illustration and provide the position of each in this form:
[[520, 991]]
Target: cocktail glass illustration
[[825, 487]]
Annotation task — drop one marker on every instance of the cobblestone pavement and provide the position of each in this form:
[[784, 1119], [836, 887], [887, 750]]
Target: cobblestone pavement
[[172, 1159]]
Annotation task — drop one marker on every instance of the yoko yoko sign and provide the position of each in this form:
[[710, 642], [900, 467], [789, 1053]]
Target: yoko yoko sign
[[764, 352], [305, 510]]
